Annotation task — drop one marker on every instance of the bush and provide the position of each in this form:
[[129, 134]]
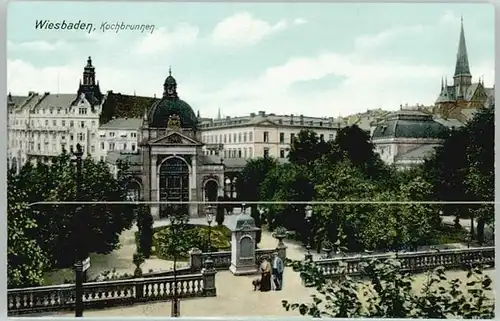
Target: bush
[[196, 236], [390, 293]]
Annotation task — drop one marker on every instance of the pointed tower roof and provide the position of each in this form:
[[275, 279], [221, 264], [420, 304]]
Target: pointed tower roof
[[462, 65]]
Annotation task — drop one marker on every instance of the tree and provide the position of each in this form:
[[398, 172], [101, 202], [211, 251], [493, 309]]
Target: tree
[[480, 173], [342, 182], [287, 182], [145, 227], [56, 224], [389, 293], [356, 145], [462, 169], [26, 261], [306, 148], [249, 181]]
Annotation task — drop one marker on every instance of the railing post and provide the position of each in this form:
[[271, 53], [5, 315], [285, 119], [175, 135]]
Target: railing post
[[195, 259], [139, 289], [208, 273]]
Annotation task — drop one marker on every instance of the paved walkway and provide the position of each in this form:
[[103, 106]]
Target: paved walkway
[[121, 259], [235, 298], [235, 295]]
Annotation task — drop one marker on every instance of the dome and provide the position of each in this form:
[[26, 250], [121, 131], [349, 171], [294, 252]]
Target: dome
[[170, 105], [410, 124]]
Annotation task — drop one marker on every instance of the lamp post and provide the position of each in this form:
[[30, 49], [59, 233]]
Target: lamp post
[[78, 236], [309, 213], [210, 219], [175, 223]]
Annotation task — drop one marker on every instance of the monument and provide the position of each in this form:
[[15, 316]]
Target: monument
[[243, 238]]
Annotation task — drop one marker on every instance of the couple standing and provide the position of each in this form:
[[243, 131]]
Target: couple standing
[[272, 272]]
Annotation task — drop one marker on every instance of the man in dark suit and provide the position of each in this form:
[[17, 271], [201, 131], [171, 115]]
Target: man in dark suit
[[277, 271]]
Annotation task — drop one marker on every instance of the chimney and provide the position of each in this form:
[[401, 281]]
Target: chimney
[[262, 113], [252, 114]]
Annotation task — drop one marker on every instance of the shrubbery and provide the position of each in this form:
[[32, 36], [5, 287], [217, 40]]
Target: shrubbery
[[195, 236], [386, 292]]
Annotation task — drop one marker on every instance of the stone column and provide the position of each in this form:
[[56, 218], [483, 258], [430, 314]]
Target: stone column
[[194, 194], [154, 188], [209, 281], [221, 185]]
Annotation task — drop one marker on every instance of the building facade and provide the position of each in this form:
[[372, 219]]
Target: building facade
[[41, 126], [169, 165], [260, 135], [407, 137], [121, 134]]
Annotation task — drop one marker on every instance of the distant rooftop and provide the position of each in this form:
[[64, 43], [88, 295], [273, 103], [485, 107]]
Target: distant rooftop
[[261, 117], [123, 123]]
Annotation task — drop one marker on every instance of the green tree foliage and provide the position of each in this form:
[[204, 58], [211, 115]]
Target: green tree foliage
[[372, 226], [462, 169], [387, 292], [288, 182], [480, 175], [145, 227], [307, 148], [100, 225], [249, 181], [26, 261]]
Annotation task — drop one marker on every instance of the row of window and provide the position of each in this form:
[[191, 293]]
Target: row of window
[[81, 136], [283, 153], [124, 146], [229, 138], [122, 134], [81, 111], [53, 147], [265, 137], [238, 153], [248, 137], [54, 123]]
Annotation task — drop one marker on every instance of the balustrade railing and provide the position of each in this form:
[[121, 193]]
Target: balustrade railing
[[103, 294], [413, 262]]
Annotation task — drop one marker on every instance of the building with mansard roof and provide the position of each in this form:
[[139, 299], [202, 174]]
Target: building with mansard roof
[[460, 99], [40, 126]]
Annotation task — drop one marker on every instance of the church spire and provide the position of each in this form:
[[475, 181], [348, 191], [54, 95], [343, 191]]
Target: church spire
[[462, 64]]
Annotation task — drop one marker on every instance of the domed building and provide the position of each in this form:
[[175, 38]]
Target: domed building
[[170, 166], [407, 137]]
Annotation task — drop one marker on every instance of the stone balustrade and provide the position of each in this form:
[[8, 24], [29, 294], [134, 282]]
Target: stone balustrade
[[413, 262], [107, 293]]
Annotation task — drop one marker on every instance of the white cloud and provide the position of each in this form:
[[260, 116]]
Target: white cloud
[[163, 40], [386, 36], [299, 21], [356, 83], [38, 45], [243, 29], [449, 18]]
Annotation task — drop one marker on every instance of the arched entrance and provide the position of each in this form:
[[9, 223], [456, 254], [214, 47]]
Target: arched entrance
[[133, 191], [174, 185], [211, 188]]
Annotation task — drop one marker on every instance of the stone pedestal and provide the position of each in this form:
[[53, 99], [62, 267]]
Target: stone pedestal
[[243, 245]]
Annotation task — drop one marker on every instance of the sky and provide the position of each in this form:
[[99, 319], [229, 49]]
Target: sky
[[315, 59]]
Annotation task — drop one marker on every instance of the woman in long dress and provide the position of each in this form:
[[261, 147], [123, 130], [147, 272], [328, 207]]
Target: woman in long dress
[[265, 270]]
